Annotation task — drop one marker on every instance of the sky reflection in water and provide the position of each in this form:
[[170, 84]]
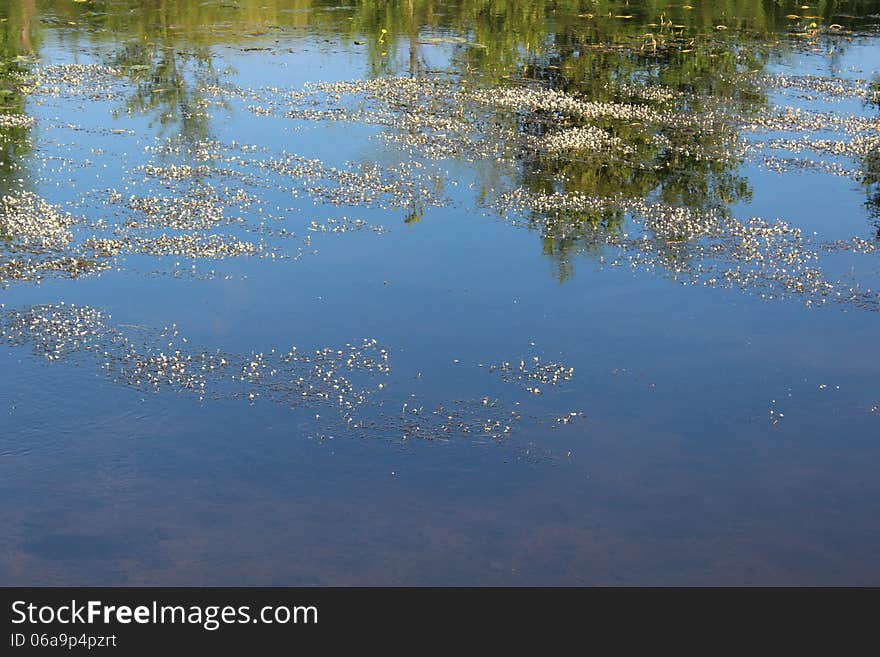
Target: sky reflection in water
[[439, 293]]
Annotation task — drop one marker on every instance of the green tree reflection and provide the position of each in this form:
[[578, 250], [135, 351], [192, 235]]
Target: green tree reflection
[[871, 168], [17, 47], [592, 48]]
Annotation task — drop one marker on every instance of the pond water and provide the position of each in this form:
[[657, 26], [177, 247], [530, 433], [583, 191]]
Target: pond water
[[415, 292]]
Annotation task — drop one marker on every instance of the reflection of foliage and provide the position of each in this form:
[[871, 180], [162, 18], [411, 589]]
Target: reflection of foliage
[[498, 38], [871, 168], [15, 48], [595, 49], [166, 52], [591, 48], [565, 234], [168, 83], [871, 171], [415, 215], [597, 64]]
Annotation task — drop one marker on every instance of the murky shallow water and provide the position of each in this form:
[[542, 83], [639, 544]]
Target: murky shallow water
[[547, 293]]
